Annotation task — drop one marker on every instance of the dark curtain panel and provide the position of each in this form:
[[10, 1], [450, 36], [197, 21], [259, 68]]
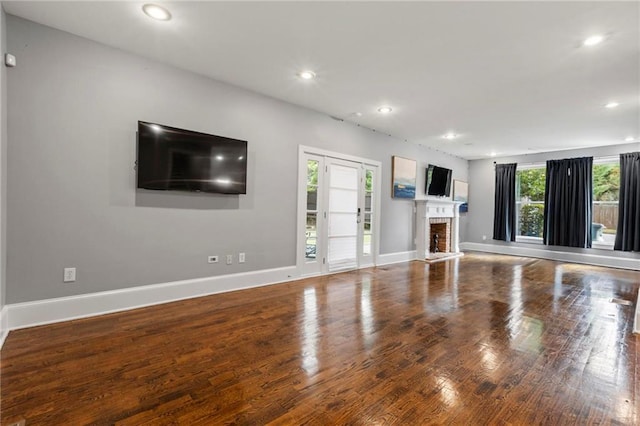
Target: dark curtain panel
[[628, 233], [504, 213], [568, 202]]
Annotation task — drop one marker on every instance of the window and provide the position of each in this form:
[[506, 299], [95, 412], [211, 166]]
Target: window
[[606, 189], [530, 188], [530, 184]]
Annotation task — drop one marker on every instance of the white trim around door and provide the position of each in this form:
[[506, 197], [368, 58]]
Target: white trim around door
[[312, 242]]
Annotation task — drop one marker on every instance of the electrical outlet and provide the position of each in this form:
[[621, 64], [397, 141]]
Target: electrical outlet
[[212, 259], [229, 259], [241, 258], [69, 275]]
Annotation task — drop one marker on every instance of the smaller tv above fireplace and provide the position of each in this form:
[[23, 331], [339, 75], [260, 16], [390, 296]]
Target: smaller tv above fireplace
[[438, 181]]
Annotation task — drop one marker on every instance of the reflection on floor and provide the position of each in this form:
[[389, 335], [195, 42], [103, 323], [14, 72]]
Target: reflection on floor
[[482, 339]]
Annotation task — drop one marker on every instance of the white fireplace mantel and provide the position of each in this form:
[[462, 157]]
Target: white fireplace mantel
[[434, 208]]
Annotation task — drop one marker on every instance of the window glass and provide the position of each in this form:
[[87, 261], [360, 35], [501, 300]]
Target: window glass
[[606, 189], [530, 184]]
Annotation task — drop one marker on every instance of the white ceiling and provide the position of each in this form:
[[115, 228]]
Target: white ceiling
[[509, 77]]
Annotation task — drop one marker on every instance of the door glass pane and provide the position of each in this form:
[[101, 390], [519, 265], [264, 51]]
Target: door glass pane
[[367, 231], [312, 185], [366, 246], [367, 201], [312, 197], [312, 172], [368, 184], [311, 237]]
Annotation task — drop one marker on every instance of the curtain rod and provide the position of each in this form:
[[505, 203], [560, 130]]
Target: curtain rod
[[596, 160]]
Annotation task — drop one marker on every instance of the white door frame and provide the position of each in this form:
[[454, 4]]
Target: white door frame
[[303, 151]]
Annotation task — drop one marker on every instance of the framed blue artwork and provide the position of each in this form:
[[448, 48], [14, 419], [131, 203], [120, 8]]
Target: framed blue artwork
[[403, 177]]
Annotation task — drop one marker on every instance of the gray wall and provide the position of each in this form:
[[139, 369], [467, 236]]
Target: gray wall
[[3, 163], [73, 107], [481, 193]]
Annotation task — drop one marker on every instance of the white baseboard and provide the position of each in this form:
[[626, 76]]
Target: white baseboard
[[403, 256], [40, 312], [589, 259], [4, 325], [29, 314]]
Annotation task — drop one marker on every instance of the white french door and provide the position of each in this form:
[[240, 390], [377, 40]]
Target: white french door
[[342, 214], [338, 208]]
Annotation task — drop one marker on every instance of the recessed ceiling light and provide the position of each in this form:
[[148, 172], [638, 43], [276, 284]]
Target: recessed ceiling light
[[385, 109], [493, 154], [611, 105], [450, 136], [357, 114], [156, 12], [593, 40], [629, 139], [307, 75]]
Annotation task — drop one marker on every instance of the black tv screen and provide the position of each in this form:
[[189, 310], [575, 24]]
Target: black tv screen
[[438, 181], [184, 160]]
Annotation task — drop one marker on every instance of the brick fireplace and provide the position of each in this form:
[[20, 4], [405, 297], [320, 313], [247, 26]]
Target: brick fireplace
[[442, 228], [439, 217]]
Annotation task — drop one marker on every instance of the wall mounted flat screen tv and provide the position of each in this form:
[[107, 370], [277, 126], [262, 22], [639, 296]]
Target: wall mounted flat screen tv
[[184, 160], [438, 181]]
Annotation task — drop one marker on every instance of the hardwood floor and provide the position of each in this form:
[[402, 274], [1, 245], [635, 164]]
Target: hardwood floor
[[483, 339]]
